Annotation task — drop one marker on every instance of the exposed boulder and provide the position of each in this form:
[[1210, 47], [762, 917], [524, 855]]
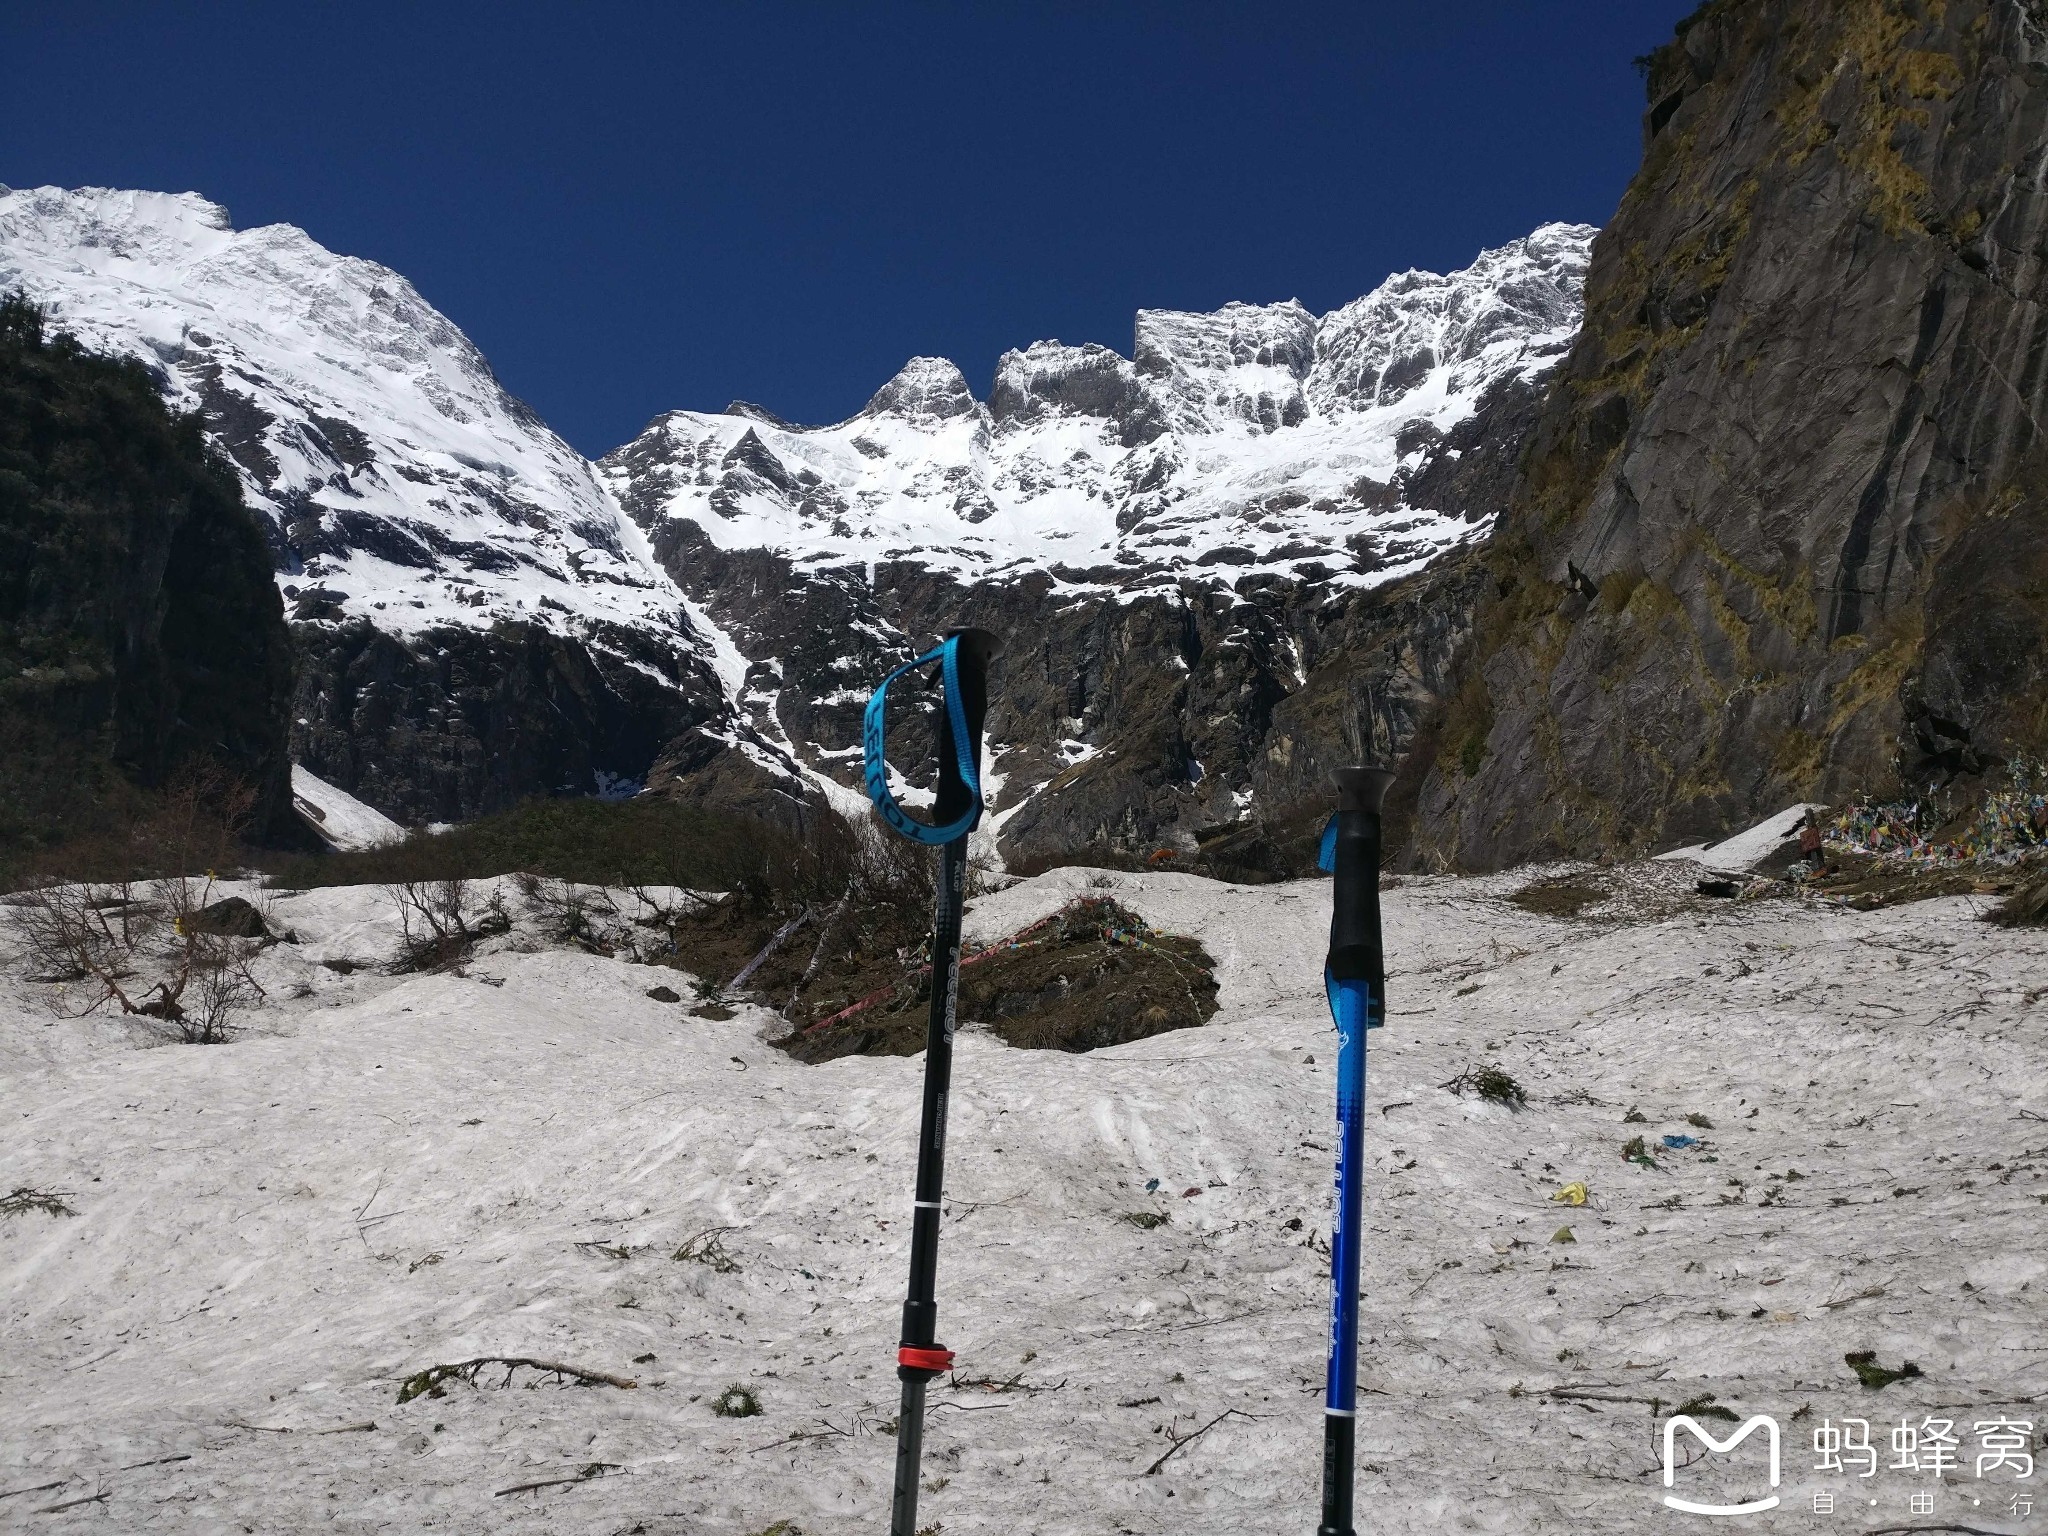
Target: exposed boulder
[[232, 917]]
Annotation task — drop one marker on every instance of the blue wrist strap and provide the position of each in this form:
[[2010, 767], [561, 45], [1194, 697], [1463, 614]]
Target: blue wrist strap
[[875, 751]]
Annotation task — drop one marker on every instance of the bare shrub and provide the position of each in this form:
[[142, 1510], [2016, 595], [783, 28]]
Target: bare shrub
[[887, 870], [779, 874], [195, 821], [2026, 906], [662, 905], [672, 868], [205, 811], [432, 1382], [708, 1248], [220, 985], [140, 947], [23, 1200], [1490, 1083], [139, 937], [86, 933], [861, 890], [440, 921], [571, 913]]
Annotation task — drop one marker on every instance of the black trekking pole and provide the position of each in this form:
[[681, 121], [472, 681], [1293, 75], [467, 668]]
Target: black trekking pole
[[1355, 980], [963, 656]]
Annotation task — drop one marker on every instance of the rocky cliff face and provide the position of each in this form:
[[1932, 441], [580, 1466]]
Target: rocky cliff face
[[1222, 565], [1779, 533], [139, 629], [1200, 717], [475, 620]]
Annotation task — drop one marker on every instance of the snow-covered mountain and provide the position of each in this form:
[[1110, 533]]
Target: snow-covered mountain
[[1225, 561], [399, 479], [469, 598], [1256, 438]]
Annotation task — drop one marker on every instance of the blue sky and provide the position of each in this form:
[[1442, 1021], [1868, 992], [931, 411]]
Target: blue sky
[[635, 208]]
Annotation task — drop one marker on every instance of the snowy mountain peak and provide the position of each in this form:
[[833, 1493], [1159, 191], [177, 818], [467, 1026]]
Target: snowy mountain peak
[[399, 480], [1241, 363], [1515, 307], [1049, 379], [754, 412], [1255, 437], [924, 389]]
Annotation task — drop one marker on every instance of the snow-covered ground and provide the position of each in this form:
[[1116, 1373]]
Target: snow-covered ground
[[386, 1173], [1752, 846]]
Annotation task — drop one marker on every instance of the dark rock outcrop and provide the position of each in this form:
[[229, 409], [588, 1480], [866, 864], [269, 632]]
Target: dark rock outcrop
[[1204, 719], [1779, 532], [454, 723], [233, 917], [140, 630], [1048, 379]]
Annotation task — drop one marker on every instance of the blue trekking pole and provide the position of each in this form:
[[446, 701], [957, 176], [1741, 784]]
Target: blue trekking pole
[[1355, 979], [963, 658]]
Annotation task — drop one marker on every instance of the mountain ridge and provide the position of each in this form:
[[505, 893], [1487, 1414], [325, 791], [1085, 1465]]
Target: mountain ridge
[[1226, 563], [1180, 542], [1082, 458], [475, 620]]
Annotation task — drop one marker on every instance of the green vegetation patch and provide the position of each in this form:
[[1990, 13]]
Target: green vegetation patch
[[644, 841], [1875, 1377]]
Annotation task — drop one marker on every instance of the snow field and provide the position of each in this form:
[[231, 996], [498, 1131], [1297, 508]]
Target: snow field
[[388, 1173], [338, 816]]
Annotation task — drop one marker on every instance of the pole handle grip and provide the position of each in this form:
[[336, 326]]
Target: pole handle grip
[[1356, 952]]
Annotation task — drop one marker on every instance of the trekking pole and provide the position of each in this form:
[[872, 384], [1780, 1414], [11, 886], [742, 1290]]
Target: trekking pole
[[1355, 980], [963, 657]]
